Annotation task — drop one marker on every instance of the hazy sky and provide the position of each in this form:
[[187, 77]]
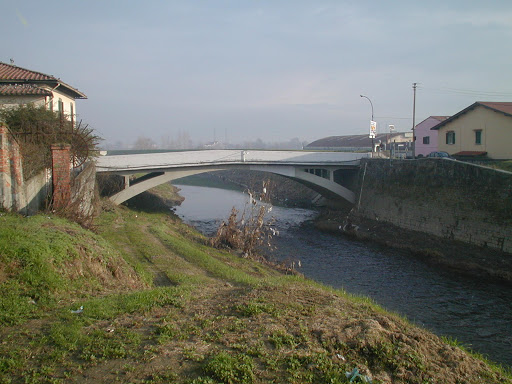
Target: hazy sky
[[274, 70]]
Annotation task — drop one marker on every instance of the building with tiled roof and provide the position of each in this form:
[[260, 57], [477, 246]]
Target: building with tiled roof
[[482, 129], [22, 86], [358, 142], [426, 139]]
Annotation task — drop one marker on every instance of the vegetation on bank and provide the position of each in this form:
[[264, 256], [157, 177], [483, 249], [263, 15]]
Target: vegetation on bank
[[146, 300], [37, 128], [505, 165]]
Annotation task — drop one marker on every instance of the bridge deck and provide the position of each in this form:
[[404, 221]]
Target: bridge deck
[[152, 161]]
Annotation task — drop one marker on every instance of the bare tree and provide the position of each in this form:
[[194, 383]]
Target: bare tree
[[143, 142]]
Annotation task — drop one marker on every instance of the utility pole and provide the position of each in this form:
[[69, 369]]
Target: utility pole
[[414, 121]]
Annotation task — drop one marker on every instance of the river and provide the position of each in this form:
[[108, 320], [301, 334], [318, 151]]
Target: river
[[477, 314]]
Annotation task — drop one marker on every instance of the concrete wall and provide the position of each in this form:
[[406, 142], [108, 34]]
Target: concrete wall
[[446, 198], [37, 191], [12, 196], [496, 133], [83, 189]]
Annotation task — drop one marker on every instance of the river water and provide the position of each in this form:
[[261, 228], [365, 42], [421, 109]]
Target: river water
[[477, 314]]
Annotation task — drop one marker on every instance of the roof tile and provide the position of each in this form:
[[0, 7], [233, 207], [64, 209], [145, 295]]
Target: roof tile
[[505, 107], [22, 89], [12, 72], [498, 106]]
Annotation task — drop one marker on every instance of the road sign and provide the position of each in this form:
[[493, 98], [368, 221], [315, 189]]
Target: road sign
[[373, 129]]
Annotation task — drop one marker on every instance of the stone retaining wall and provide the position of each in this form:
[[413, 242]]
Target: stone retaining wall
[[446, 198]]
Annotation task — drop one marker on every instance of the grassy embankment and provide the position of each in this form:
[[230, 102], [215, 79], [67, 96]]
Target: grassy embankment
[[157, 305], [505, 165]]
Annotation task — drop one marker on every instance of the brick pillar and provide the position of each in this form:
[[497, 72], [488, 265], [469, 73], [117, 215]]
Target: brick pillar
[[61, 175]]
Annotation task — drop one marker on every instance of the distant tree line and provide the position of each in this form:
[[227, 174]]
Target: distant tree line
[[183, 141]]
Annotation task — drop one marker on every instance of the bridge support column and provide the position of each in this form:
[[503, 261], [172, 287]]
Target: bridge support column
[[126, 182]]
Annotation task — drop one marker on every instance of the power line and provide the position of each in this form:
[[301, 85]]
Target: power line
[[394, 118], [468, 92]]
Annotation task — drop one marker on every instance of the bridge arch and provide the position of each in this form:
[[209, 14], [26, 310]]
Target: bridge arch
[[325, 187]]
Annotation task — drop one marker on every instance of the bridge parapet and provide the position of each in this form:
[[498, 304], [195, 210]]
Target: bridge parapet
[[165, 167], [167, 160]]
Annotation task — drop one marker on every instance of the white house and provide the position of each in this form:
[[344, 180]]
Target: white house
[[22, 86]]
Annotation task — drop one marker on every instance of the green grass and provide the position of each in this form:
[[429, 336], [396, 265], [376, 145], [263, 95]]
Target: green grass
[[221, 319], [201, 256], [47, 260], [230, 369], [505, 165]]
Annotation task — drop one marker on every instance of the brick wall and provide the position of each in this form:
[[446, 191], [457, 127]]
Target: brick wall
[[445, 198], [28, 196]]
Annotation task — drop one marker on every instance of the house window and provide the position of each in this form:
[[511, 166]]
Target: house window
[[72, 113], [426, 140], [50, 104], [450, 137], [478, 136], [61, 107]]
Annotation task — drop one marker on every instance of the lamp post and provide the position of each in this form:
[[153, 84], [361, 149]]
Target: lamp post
[[413, 121], [366, 97]]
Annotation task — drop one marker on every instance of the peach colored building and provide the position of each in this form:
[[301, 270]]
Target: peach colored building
[[484, 129], [22, 86]]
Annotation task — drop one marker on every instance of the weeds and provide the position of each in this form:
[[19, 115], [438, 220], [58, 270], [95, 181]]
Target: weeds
[[253, 308], [280, 339], [103, 345], [250, 231], [230, 369]]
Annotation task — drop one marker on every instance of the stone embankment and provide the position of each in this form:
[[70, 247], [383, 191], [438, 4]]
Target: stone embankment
[[450, 255], [448, 213], [446, 198]]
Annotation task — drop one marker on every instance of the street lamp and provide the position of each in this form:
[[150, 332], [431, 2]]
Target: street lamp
[[366, 97]]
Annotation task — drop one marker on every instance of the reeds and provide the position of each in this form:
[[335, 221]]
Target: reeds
[[248, 231]]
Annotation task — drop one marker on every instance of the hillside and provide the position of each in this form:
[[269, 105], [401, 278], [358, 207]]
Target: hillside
[[145, 300]]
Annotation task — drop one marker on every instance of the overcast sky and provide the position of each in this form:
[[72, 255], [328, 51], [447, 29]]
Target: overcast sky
[[274, 70]]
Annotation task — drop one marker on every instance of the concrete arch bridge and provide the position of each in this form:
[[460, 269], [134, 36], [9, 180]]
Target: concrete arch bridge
[[324, 172]]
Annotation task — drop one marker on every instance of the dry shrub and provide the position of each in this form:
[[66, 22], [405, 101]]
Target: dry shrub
[[84, 202], [74, 211], [36, 128], [251, 230]]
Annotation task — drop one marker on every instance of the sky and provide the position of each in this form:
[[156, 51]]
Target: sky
[[275, 70]]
